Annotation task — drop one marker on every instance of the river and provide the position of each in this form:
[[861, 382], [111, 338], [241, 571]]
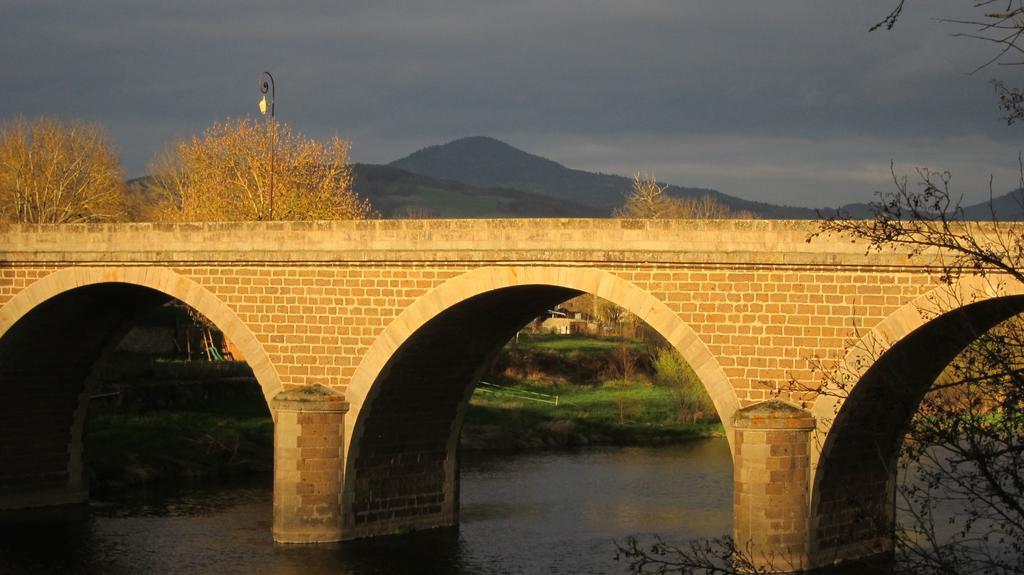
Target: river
[[534, 512]]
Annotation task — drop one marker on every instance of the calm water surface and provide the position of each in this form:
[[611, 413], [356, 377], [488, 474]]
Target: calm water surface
[[552, 512]]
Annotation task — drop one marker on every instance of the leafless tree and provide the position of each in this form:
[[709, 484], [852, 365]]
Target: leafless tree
[[960, 491], [961, 468], [648, 200], [997, 22]]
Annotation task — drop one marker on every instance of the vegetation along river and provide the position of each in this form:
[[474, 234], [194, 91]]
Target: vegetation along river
[[522, 512]]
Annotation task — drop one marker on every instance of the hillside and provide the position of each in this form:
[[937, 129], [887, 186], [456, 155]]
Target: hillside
[[480, 177], [396, 193], [483, 161], [1006, 208]]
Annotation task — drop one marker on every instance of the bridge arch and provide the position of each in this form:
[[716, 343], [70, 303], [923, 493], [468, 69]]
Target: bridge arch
[[865, 413], [409, 393], [159, 279], [51, 335]]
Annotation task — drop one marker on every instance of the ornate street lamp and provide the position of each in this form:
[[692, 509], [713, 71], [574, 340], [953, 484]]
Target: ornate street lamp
[[267, 109]]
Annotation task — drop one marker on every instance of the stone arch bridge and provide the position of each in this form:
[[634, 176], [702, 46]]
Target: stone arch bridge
[[368, 338]]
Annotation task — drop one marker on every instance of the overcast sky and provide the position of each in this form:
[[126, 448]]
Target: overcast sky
[[789, 102]]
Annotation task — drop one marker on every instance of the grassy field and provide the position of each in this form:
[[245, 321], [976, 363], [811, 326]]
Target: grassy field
[[594, 408], [615, 413], [135, 449], [567, 344]]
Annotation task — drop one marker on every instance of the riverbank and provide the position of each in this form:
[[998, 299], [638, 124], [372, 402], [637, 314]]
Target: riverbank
[[524, 415], [125, 450], [208, 419], [136, 449]]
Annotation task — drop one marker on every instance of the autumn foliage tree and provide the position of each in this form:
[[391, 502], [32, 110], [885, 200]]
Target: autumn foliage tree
[[648, 200], [54, 172], [225, 175]]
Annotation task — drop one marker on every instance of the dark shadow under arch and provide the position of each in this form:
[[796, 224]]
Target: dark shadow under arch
[[46, 359], [852, 505], [402, 470]]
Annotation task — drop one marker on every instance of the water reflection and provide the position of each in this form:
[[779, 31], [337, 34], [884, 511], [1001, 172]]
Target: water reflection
[[521, 513]]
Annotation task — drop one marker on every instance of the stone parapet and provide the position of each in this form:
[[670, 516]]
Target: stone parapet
[[487, 241]]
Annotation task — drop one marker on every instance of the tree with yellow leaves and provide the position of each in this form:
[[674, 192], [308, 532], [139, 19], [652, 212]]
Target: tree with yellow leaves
[[225, 175], [53, 173], [648, 200]]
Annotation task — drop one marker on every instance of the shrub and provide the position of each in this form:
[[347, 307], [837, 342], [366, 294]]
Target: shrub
[[692, 400]]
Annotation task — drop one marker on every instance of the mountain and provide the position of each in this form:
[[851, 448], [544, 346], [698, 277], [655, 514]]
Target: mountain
[[397, 193], [481, 177], [1006, 208], [857, 211], [487, 162]]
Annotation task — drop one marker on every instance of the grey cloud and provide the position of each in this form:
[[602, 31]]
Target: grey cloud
[[393, 74], [794, 171]]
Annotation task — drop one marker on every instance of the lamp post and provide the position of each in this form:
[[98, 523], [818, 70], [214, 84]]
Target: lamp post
[[267, 109]]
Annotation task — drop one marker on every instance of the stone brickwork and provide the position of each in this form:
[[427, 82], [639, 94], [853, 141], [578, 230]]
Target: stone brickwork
[[309, 436], [760, 311], [854, 496], [760, 324], [772, 485], [358, 307]]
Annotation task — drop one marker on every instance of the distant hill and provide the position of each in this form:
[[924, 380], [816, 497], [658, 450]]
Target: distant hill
[[141, 199], [487, 162], [397, 193], [857, 211], [1006, 208], [481, 177]]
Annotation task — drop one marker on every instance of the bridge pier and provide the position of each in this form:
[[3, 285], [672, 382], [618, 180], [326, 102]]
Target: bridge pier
[[771, 485], [309, 428]]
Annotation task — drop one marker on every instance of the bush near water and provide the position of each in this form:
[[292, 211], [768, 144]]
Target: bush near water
[[175, 419]]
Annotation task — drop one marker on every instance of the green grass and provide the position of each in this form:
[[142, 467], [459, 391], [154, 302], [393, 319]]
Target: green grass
[[614, 413], [135, 449], [129, 449], [573, 343]]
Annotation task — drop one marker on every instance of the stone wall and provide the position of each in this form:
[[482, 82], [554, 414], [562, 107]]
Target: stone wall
[[316, 295], [371, 310]]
